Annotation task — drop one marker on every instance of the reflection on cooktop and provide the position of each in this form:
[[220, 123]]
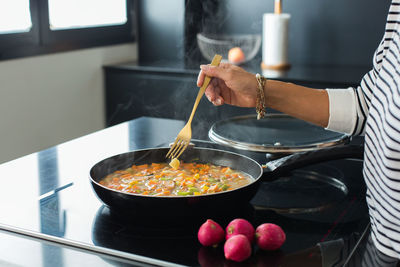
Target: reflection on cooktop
[[167, 238], [305, 190], [175, 239], [309, 189]]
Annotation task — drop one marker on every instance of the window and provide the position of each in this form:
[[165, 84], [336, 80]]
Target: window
[[80, 14], [32, 27], [15, 16]]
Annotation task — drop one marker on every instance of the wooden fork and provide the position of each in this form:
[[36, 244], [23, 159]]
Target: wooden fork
[[184, 136]]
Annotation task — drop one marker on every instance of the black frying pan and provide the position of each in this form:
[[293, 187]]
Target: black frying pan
[[187, 205]]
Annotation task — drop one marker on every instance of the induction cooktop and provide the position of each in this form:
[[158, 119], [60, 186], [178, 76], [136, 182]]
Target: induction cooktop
[[314, 205]]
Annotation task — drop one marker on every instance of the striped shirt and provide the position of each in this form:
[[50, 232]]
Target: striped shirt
[[373, 109]]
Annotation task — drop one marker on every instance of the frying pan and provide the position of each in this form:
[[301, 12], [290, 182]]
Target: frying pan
[[191, 205]]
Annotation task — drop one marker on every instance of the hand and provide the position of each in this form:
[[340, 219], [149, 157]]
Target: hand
[[230, 85]]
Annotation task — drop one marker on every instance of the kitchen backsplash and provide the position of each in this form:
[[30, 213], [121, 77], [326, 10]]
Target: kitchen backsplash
[[321, 32]]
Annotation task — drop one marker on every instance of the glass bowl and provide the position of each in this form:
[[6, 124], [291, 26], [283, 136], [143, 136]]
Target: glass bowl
[[211, 44]]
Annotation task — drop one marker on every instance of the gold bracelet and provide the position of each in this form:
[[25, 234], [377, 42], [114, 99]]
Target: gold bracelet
[[260, 102]]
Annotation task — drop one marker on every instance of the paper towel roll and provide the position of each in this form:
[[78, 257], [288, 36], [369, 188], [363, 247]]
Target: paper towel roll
[[275, 41]]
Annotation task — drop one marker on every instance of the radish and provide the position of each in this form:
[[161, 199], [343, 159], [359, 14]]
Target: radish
[[210, 233], [237, 248], [240, 226], [270, 236]]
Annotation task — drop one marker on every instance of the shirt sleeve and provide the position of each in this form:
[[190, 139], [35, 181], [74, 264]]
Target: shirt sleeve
[[342, 111], [348, 108]]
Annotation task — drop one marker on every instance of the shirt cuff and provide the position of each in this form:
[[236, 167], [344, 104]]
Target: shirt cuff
[[342, 110]]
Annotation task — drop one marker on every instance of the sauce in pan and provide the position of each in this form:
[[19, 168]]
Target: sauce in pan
[[160, 179]]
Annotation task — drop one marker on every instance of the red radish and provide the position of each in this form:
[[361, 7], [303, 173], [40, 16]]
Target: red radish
[[240, 226], [270, 236], [237, 248], [210, 233]]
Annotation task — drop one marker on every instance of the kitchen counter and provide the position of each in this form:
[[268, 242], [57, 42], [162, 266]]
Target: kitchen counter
[[48, 195], [50, 216]]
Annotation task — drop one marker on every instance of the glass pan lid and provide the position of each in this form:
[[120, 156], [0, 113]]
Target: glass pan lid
[[276, 133]]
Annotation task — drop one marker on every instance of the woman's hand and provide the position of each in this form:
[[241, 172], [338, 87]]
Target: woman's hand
[[230, 85], [235, 86]]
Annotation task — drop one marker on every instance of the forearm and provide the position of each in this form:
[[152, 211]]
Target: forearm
[[305, 103]]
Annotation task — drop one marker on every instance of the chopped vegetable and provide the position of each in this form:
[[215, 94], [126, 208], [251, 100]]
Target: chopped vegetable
[[174, 163], [188, 179]]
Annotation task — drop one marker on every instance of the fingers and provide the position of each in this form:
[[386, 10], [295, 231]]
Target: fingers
[[215, 100], [218, 102], [210, 92], [200, 78], [213, 93], [213, 71]]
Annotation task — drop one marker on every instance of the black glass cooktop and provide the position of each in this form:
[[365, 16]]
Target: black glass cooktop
[[315, 205]]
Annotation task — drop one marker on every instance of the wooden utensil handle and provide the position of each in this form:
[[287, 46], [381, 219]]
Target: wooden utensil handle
[[215, 62]]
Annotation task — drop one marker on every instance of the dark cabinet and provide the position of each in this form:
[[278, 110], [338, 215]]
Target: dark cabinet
[[165, 91]]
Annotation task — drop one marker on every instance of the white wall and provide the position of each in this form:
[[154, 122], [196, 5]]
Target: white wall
[[47, 100]]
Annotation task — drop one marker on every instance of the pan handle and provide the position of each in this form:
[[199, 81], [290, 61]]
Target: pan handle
[[279, 167]]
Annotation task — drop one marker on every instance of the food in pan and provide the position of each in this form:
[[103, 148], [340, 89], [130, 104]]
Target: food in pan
[[160, 179], [174, 163]]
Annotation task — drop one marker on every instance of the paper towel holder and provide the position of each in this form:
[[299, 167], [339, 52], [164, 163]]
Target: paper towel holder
[[278, 7], [283, 66], [275, 42]]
